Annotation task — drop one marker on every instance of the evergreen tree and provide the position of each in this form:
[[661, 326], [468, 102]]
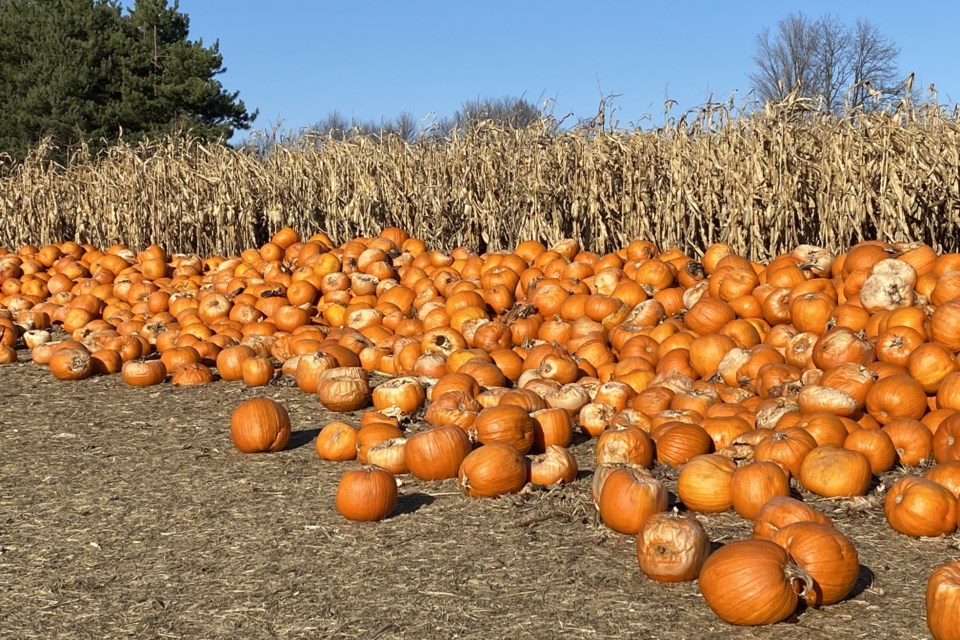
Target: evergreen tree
[[85, 71]]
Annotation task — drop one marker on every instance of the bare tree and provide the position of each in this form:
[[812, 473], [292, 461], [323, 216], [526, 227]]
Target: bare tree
[[508, 111], [837, 66]]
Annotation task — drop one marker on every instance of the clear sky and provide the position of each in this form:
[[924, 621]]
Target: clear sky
[[298, 60]]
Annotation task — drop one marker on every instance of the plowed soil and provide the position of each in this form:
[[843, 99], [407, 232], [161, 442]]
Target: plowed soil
[[127, 513]]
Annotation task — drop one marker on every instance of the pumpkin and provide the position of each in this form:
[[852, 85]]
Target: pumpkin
[[943, 602], [453, 407], [310, 366], [876, 445], [948, 475], [827, 555], [492, 470], [752, 485], [594, 418], [897, 396], [551, 427], [930, 364], [436, 454], [682, 442], [191, 374], [556, 466], [672, 547], [143, 373], [343, 389], [946, 441], [257, 371], [404, 393], [374, 431], [71, 363], [629, 444], [832, 472], [789, 447], [782, 511], [504, 423], [259, 425], [388, 454], [920, 507], [704, 483], [945, 325], [628, 497], [911, 439], [337, 441], [752, 582], [367, 494]]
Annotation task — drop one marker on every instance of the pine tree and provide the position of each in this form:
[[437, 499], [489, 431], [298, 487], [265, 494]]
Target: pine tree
[[85, 71]]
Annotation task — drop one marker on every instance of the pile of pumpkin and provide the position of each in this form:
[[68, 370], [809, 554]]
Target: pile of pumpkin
[[829, 369]]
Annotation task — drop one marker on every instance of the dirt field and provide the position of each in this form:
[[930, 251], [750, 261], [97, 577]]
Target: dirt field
[[127, 513]]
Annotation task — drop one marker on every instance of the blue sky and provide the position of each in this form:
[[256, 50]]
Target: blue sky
[[297, 61]]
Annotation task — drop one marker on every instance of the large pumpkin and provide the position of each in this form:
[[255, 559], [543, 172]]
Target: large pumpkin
[[751, 582]]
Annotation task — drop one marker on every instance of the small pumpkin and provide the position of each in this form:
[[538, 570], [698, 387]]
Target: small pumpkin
[[143, 373], [948, 475], [681, 442], [71, 363], [192, 374], [389, 454], [629, 444], [404, 393], [788, 447], [343, 389], [551, 426], [506, 423], [257, 371], [876, 445]]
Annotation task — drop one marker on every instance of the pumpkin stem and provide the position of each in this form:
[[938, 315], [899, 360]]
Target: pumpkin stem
[[795, 573]]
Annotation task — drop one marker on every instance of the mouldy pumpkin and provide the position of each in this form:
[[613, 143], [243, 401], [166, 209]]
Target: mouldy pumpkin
[[344, 389], [260, 425], [672, 547], [556, 466]]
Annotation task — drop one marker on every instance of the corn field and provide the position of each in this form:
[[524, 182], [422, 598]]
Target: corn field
[[762, 182]]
